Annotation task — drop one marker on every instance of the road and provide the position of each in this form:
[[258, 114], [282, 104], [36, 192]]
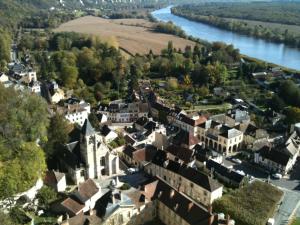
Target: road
[[288, 208]]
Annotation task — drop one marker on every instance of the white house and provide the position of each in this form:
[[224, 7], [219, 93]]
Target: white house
[[3, 78], [282, 158], [121, 112], [76, 111], [35, 87], [108, 134]]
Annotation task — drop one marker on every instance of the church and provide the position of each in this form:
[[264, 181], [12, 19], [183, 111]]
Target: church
[[88, 157]]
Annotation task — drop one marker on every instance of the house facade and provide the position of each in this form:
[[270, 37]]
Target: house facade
[[76, 111], [220, 137], [189, 181], [121, 112], [282, 158]]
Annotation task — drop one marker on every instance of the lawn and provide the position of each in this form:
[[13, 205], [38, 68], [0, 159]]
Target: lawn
[[253, 204], [296, 222]]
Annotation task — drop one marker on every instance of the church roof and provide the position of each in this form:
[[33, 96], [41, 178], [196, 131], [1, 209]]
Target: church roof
[[87, 128]]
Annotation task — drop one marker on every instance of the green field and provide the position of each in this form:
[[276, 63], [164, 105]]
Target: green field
[[296, 222]]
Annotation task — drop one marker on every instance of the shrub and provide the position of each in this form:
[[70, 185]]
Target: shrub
[[125, 186], [46, 195]]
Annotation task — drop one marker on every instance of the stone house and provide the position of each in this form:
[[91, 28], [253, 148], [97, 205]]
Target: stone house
[[220, 137], [189, 181]]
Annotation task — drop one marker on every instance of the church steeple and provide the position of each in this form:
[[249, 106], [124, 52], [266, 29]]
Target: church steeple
[[87, 129]]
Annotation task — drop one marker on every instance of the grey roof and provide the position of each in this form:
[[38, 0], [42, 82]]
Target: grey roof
[[87, 128]]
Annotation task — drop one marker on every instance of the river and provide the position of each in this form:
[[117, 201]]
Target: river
[[276, 53]]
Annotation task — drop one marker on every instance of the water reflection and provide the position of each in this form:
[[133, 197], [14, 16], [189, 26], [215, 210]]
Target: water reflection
[[272, 52]]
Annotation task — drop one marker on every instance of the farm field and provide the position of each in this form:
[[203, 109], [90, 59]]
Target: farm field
[[133, 35]]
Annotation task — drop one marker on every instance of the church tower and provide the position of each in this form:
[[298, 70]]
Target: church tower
[[88, 148]]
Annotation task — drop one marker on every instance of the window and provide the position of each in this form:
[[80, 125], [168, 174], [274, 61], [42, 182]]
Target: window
[[102, 161], [82, 173], [192, 185]]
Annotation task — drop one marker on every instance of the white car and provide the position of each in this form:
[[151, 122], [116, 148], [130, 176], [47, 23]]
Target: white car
[[238, 161], [241, 172], [132, 170], [277, 176]]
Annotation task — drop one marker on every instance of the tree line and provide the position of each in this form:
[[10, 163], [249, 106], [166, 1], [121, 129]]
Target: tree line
[[269, 33]]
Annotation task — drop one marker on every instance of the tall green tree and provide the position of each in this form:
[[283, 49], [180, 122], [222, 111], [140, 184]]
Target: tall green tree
[[5, 45]]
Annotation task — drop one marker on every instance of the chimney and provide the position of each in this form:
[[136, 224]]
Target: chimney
[[212, 217]]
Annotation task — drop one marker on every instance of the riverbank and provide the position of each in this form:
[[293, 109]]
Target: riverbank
[[254, 49]]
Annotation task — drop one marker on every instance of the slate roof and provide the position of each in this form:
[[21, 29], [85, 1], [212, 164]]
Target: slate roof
[[87, 128], [105, 130], [150, 126], [129, 150], [274, 155], [71, 155], [183, 154], [160, 107], [199, 178], [224, 171], [159, 158], [184, 137], [129, 140], [182, 206], [228, 132], [142, 121]]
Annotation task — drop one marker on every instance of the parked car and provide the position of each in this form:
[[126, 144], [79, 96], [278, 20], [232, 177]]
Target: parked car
[[277, 176], [241, 172], [132, 170], [238, 161]]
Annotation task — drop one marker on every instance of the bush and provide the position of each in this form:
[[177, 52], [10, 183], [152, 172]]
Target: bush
[[125, 186], [18, 216], [46, 195]]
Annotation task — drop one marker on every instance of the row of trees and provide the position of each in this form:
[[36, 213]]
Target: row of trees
[[170, 28], [5, 45], [266, 32], [276, 12]]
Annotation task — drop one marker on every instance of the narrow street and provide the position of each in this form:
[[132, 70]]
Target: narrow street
[[288, 208]]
